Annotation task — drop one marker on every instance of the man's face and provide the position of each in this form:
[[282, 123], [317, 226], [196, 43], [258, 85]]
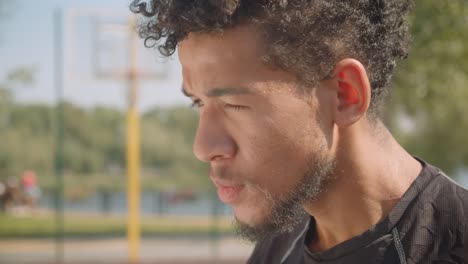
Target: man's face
[[267, 144]]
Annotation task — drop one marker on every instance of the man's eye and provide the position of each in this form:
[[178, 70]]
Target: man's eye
[[197, 103], [235, 107]]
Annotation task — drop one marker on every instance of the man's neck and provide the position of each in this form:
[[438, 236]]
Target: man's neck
[[370, 179]]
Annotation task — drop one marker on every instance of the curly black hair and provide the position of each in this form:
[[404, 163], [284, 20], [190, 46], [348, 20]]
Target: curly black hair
[[305, 37]]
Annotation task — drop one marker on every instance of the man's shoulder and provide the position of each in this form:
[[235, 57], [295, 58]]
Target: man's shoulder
[[274, 248], [444, 193], [443, 201], [437, 224]]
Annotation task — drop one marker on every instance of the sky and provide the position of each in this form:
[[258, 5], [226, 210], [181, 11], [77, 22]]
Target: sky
[[27, 40]]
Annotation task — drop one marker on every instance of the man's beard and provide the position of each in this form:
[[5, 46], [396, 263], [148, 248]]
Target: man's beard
[[287, 210]]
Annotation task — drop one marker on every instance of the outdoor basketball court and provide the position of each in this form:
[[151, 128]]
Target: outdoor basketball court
[[170, 251]]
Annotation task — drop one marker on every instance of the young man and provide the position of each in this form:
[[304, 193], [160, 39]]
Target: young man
[[289, 95]]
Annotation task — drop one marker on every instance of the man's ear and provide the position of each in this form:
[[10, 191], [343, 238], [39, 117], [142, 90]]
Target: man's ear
[[353, 92]]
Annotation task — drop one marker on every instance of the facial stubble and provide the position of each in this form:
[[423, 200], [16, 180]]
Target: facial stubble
[[287, 210]]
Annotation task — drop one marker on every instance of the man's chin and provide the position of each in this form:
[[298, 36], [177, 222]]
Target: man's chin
[[261, 222], [268, 227], [251, 223], [251, 232], [250, 216]]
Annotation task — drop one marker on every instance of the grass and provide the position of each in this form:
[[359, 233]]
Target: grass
[[75, 226]]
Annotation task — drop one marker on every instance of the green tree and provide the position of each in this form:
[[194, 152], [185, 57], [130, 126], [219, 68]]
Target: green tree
[[430, 88], [15, 155], [167, 138]]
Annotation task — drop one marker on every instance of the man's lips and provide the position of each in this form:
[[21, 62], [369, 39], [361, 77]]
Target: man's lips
[[228, 192]]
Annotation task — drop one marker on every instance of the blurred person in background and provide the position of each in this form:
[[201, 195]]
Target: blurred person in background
[[2, 192], [11, 197], [290, 97], [31, 190]]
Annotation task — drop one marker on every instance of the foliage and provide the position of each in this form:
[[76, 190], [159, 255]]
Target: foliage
[[94, 149], [430, 89]]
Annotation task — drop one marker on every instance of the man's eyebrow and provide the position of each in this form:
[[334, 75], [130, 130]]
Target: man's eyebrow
[[218, 92]]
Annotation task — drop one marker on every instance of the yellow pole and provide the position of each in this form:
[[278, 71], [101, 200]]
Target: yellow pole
[[133, 155]]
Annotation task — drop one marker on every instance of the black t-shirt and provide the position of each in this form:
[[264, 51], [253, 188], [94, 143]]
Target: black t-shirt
[[428, 225]]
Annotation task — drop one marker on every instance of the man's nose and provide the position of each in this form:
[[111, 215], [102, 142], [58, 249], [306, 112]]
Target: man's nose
[[212, 140]]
